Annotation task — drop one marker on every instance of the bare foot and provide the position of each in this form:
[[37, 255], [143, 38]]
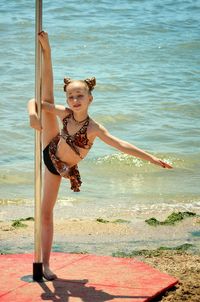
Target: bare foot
[[48, 274]]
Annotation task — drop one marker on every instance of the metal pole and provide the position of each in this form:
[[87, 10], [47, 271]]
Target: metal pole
[[37, 265]]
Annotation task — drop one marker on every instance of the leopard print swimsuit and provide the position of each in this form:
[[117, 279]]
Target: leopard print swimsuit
[[75, 141]]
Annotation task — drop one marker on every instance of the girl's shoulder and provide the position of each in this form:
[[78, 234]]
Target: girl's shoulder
[[66, 113], [94, 126]]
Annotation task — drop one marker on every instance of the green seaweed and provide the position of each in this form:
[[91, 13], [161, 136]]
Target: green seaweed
[[27, 219], [171, 219], [153, 253], [174, 217], [133, 254], [4, 252], [79, 252], [183, 247], [18, 224], [101, 220], [153, 221], [120, 221], [126, 255]]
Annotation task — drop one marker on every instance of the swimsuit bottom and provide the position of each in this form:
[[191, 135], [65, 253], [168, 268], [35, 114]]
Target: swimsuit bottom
[[48, 162], [58, 167]]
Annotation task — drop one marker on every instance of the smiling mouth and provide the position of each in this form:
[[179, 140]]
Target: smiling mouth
[[76, 106]]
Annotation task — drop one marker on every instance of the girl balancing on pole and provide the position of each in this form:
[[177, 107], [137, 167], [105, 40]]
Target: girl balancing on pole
[[64, 149]]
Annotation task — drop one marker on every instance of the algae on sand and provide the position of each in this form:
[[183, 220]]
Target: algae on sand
[[171, 219], [119, 220], [18, 224], [153, 253]]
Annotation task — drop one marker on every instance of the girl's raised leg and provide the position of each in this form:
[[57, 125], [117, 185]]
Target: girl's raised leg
[[49, 121], [51, 182]]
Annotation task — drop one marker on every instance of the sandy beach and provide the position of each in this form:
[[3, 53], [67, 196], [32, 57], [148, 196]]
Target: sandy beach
[[118, 237]]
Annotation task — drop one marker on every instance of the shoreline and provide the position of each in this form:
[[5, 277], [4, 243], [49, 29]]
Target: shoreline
[[109, 234], [121, 239]]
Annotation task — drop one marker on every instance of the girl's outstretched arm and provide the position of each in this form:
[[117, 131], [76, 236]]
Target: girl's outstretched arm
[[128, 148]]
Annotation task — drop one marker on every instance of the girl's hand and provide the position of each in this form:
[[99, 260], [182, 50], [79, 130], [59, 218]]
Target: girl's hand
[[44, 41], [159, 162], [35, 122]]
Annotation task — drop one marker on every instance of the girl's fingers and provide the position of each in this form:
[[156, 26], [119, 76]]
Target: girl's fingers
[[161, 163], [165, 165], [41, 32]]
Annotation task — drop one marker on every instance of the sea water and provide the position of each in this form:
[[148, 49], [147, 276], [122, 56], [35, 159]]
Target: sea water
[[145, 57]]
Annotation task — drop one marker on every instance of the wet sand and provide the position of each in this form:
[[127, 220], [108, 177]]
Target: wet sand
[[110, 237]]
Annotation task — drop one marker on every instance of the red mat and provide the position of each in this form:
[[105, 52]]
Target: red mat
[[82, 278]]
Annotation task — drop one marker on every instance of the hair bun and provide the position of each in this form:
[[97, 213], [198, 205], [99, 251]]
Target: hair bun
[[91, 83], [67, 81]]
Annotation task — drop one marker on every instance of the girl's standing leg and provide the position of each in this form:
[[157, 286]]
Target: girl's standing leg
[[50, 191], [51, 182]]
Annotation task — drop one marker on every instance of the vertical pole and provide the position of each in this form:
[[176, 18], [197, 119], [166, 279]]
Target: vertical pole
[[37, 265]]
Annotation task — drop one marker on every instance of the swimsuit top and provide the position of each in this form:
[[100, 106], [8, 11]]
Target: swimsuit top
[[79, 139]]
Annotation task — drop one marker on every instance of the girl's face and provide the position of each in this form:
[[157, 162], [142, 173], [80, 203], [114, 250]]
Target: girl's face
[[78, 97]]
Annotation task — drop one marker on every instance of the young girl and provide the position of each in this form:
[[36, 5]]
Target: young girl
[[63, 150]]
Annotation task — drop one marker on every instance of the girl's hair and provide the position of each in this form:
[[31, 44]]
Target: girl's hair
[[89, 83]]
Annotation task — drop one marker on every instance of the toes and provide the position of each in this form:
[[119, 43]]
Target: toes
[[49, 275]]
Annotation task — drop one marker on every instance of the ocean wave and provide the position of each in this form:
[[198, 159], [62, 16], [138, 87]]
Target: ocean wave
[[120, 118], [119, 159], [15, 201], [16, 178], [187, 163], [125, 161]]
